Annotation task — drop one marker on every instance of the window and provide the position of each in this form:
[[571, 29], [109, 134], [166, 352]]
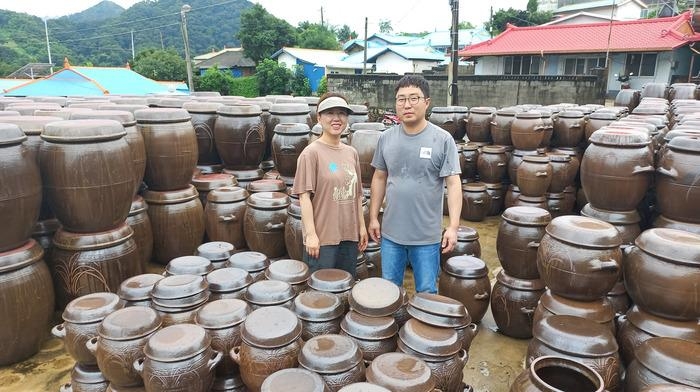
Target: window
[[582, 66], [521, 65], [641, 64]]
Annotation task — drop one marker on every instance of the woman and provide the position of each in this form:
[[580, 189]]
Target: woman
[[330, 193]]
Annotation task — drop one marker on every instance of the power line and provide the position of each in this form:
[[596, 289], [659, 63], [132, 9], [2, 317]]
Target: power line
[[114, 35]]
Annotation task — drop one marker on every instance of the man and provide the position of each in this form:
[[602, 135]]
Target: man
[[413, 161]]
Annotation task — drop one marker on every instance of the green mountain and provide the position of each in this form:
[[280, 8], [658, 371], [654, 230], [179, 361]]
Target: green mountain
[[102, 34]]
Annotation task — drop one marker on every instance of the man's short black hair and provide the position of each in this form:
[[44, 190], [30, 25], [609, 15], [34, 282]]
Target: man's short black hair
[[414, 81]]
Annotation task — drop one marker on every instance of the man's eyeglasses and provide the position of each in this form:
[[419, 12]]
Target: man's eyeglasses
[[413, 99]]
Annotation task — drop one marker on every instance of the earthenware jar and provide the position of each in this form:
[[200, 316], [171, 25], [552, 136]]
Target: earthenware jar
[[365, 142], [43, 234], [87, 171], [443, 312], [478, 123], [501, 124], [497, 193], [253, 262], [617, 184], [177, 220], [292, 271], [140, 223], [85, 378], [676, 189], [626, 222], [270, 293], [223, 215], [288, 113], [375, 297], [519, 235], [374, 257], [597, 120], [662, 267], [400, 372], [293, 236], [637, 326], [203, 120], [205, 183], [217, 252], [121, 338], [374, 335], [668, 388], [601, 310], [228, 283], [476, 202], [270, 342], [240, 138], [444, 117], [287, 143], [178, 293], [136, 290], [28, 301], [465, 279], [263, 222], [468, 159], [81, 320], [569, 128], [178, 356], [526, 130], [511, 197], [337, 358], [441, 350], [516, 158], [513, 303], [534, 175], [580, 258], [294, 379], [467, 244], [664, 360], [222, 320], [579, 339], [564, 171], [335, 281], [84, 263], [492, 164], [557, 373], [320, 313], [664, 222], [619, 299], [188, 265], [21, 181], [171, 147]]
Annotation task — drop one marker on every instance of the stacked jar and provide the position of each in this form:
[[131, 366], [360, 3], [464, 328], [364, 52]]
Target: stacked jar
[[203, 120], [241, 140], [529, 131]]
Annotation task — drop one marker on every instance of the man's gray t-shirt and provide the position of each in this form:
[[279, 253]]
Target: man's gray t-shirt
[[416, 166]]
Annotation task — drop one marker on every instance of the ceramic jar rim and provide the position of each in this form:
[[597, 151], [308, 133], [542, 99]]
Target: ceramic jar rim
[[317, 355], [27, 254], [142, 322], [364, 327]]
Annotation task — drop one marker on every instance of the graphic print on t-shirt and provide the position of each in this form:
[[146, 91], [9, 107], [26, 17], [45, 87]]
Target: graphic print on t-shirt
[[347, 191]]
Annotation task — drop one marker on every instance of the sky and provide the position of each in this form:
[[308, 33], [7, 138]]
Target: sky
[[405, 15]]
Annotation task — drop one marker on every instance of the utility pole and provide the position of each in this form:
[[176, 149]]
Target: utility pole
[[491, 22], [321, 16], [133, 54], [48, 45], [452, 72], [364, 61], [183, 14]]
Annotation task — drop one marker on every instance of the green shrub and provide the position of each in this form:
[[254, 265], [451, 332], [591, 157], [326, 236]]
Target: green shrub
[[245, 86], [322, 86]]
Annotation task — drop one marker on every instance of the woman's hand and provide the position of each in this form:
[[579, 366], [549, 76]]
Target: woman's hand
[[364, 238], [312, 245]]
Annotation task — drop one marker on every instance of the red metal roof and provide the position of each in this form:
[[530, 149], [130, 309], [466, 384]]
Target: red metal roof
[[658, 34]]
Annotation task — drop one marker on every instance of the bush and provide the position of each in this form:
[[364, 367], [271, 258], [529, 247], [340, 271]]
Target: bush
[[245, 86], [215, 79], [322, 86], [300, 85], [273, 78]]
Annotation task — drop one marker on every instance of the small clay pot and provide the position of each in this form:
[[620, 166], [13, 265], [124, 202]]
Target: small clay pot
[[476, 202], [228, 283], [556, 373], [465, 279], [501, 124], [320, 313], [333, 280], [400, 372], [287, 143], [519, 235], [469, 158], [664, 360], [217, 252], [222, 320], [205, 183], [374, 335], [478, 123], [467, 244], [136, 290], [263, 222], [294, 272], [564, 171], [337, 358], [569, 128], [527, 130], [516, 158], [270, 293], [294, 379], [513, 304]]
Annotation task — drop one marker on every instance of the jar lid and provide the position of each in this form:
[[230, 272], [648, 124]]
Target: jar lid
[[679, 246], [366, 387], [375, 297], [177, 342], [670, 135], [92, 241], [685, 143], [575, 335], [91, 308], [27, 254], [332, 280], [215, 250], [613, 217], [293, 379], [161, 115], [222, 313], [179, 286], [189, 265], [466, 267], [369, 328], [268, 200], [529, 114], [675, 359], [330, 354], [138, 205], [208, 182], [570, 114], [11, 134], [493, 149], [584, 231], [317, 130], [520, 284], [483, 110], [228, 279], [429, 340], [271, 327], [358, 109], [227, 194], [466, 233], [171, 197], [86, 374], [558, 157], [290, 108], [124, 117], [138, 288], [317, 306], [292, 129], [266, 185], [288, 270], [603, 115], [527, 216], [508, 111], [249, 261], [438, 304], [474, 187], [438, 320], [367, 126], [269, 292], [659, 326], [401, 372], [202, 107], [129, 323], [246, 175], [81, 131], [600, 310], [30, 125], [294, 208], [536, 158], [621, 137], [247, 110]]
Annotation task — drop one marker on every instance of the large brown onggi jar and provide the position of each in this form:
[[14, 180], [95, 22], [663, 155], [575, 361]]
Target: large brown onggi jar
[[564, 171], [519, 235], [467, 244], [497, 192], [501, 124], [140, 223], [288, 141], [557, 373], [85, 263], [171, 147], [534, 175], [664, 360], [569, 128], [601, 310], [527, 130], [28, 301], [21, 181], [223, 215], [203, 120], [286, 113], [677, 190], [626, 222], [88, 174], [466, 280], [479, 123], [293, 236], [177, 221], [205, 183], [513, 303], [476, 202], [239, 134], [320, 313], [365, 142], [468, 159], [263, 222], [444, 117], [222, 320], [492, 164]]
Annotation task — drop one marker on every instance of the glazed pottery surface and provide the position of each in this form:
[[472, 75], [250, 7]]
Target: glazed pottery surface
[[240, 136], [465, 279], [513, 303], [263, 222], [223, 215], [664, 360], [555, 373], [519, 234]]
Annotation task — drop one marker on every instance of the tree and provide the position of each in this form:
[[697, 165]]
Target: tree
[[300, 85], [261, 33], [316, 36], [273, 78], [160, 64], [344, 34], [385, 26], [215, 79], [322, 86], [465, 25], [502, 17]]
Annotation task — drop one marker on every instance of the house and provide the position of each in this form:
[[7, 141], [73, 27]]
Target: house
[[232, 60], [391, 39], [651, 50], [401, 59], [441, 41], [580, 18], [313, 61], [358, 45], [617, 9]]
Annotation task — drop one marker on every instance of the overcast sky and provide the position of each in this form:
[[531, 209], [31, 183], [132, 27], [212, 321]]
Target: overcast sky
[[405, 15]]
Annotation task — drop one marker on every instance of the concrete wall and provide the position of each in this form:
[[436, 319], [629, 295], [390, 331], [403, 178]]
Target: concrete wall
[[474, 90]]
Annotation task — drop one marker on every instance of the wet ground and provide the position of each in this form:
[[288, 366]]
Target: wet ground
[[494, 360]]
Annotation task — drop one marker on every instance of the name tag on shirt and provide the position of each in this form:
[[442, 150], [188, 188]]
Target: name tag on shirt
[[426, 152]]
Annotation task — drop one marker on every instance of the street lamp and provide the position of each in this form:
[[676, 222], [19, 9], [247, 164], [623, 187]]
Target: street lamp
[[183, 16]]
